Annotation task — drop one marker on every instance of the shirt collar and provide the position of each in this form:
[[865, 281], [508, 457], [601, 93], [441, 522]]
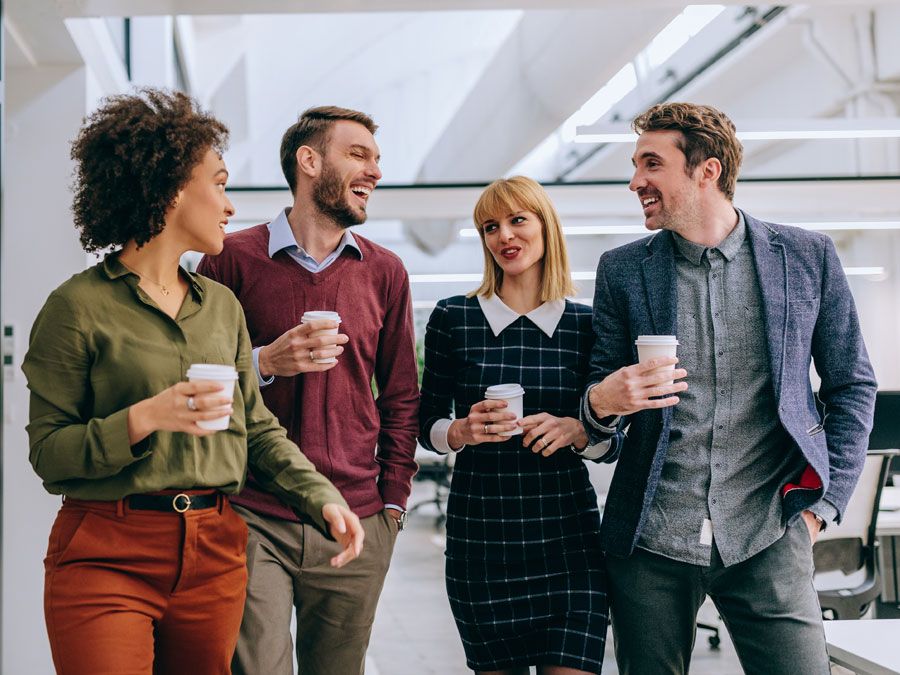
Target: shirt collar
[[545, 316], [281, 236], [728, 247], [114, 269]]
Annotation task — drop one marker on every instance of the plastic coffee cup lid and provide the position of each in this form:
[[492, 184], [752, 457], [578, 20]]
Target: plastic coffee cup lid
[[504, 391], [211, 371], [656, 340], [320, 314]]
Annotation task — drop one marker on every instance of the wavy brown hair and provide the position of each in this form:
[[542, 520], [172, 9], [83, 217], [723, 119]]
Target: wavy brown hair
[[132, 157], [705, 132]]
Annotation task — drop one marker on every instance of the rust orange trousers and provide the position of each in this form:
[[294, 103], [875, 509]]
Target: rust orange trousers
[[130, 592]]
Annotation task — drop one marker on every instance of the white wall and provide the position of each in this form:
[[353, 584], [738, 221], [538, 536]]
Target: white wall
[[44, 108]]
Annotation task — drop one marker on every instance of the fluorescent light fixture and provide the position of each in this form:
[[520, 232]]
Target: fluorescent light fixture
[[821, 226], [850, 225], [759, 130], [578, 230], [863, 271], [442, 278]]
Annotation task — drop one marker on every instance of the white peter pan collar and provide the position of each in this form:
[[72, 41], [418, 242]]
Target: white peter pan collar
[[546, 316]]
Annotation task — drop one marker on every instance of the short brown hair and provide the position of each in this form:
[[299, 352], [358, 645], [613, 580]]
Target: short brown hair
[[502, 196], [132, 157], [705, 133], [312, 129]]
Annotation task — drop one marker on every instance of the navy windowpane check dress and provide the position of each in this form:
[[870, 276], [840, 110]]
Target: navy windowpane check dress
[[524, 568]]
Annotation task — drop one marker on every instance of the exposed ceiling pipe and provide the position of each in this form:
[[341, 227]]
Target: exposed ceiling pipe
[[683, 82]]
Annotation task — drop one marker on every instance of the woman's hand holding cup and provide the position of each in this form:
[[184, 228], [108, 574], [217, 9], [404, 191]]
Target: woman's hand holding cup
[[483, 424], [179, 408], [546, 433]]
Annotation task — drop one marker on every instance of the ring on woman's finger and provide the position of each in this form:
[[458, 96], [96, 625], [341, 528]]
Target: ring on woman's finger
[[311, 356], [486, 432], [543, 444], [190, 403]]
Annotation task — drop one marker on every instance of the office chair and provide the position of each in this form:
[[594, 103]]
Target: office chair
[[436, 469], [845, 555]]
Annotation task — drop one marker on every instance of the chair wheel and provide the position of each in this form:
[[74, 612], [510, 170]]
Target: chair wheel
[[714, 641]]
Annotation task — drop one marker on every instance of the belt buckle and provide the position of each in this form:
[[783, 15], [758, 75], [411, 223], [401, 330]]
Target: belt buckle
[[186, 502]]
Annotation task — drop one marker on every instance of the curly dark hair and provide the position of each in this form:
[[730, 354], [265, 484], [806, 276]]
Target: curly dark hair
[[133, 155]]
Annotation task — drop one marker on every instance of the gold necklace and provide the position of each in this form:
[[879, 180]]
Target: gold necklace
[[162, 287]]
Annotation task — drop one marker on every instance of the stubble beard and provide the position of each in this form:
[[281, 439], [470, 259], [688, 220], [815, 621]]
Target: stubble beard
[[330, 199]]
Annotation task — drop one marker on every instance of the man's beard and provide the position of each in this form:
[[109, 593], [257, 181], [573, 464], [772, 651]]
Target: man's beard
[[330, 198]]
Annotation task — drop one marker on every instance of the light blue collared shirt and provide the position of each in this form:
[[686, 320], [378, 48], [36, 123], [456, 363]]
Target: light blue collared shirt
[[281, 237]]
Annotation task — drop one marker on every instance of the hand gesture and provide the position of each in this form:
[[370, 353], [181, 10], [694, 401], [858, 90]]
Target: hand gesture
[[294, 352], [546, 433], [631, 388], [179, 408], [485, 421], [346, 529]]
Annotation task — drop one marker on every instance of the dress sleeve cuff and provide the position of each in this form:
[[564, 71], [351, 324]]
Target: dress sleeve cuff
[[595, 451], [262, 380], [438, 437]]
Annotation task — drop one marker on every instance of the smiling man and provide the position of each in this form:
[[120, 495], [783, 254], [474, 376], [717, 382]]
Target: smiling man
[[724, 477], [308, 260]]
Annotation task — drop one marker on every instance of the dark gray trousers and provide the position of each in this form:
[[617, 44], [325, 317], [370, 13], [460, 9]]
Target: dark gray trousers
[[768, 604]]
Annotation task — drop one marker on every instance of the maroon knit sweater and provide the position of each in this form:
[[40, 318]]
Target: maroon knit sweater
[[333, 416]]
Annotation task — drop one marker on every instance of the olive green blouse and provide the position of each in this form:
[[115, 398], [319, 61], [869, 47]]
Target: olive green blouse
[[99, 345]]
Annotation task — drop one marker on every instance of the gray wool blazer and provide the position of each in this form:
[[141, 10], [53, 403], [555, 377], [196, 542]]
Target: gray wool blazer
[[809, 312]]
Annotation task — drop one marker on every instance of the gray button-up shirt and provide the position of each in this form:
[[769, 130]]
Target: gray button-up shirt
[[728, 455]]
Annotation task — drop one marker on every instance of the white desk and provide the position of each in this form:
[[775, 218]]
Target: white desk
[[888, 524], [868, 647]]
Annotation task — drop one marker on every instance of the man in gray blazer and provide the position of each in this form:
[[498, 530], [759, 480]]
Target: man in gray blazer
[[726, 476]]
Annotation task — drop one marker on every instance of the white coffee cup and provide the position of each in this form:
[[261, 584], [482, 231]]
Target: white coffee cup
[[211, 372], [322, 314], [512, 394], [656, 346]]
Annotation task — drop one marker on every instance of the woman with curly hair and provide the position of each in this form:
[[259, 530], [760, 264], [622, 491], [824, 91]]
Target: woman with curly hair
[[145, 569], [524, 568]]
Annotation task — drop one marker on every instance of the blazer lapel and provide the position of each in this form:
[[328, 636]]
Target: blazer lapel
[[771, 270], [659, 284]]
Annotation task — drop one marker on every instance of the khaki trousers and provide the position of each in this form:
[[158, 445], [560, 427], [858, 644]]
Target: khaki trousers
[[140, 592], [289, 571]]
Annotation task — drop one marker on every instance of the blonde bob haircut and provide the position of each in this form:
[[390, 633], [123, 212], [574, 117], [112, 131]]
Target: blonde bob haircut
[[504, 196]]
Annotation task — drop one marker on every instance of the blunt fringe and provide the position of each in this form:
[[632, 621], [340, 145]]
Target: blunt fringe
[[502, 197]]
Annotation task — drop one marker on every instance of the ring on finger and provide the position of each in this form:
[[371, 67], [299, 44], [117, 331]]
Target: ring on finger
[[544, 444], [486, 432], [190, 403], [311, 355]]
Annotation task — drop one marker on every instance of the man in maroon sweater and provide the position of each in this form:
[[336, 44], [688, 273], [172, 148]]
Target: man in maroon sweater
[[305, 260]]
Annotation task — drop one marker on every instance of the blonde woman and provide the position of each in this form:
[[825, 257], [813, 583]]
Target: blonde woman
[[524, 570]]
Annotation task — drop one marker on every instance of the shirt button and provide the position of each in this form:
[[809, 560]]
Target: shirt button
[[721, 426], [714, 500], [721, 353], [722, 391], [716, 314], [715, 274], [718, 465]]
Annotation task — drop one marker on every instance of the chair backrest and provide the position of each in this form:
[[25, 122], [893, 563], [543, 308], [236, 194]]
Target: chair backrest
[[862, 510]]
